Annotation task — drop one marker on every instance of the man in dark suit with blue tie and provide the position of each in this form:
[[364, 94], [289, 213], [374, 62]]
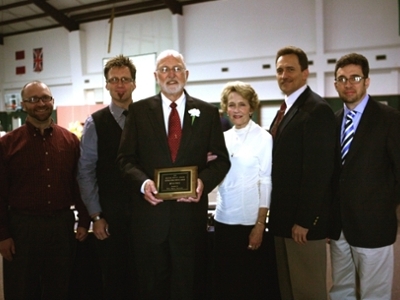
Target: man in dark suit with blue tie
[[302, 174], [170, 235], [364, 223]]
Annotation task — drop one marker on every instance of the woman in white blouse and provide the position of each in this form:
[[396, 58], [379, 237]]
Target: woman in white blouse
[[243, 197]]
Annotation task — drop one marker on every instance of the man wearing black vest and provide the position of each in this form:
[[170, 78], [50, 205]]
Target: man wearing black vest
[[103, 192]]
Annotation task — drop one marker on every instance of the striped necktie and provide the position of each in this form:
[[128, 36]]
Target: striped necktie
[[348, 134]]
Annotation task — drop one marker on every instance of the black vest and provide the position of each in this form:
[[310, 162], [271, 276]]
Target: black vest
[[113, 191]]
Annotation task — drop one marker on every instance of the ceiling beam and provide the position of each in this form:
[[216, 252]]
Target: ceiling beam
[[13, 5], [120, 11], [61, 18], [88, 17], [96, 5], [31, 30], [23, 19], [174, 6], [125, 10], [10, 6]]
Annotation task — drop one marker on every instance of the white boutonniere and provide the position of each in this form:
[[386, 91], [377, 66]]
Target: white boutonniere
[[194, 112]]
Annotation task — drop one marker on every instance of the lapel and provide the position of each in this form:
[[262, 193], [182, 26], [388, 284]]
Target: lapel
[[292, 111], [273, 121], [187, 127], [156, 121], [339, 119], [363, 129]]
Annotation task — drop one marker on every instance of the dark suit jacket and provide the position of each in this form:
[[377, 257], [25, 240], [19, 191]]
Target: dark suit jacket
[[302, 168], [144, 148], [368, 182]]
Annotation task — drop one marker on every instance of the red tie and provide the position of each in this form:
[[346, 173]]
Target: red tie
[[174, 131], [278, 119]]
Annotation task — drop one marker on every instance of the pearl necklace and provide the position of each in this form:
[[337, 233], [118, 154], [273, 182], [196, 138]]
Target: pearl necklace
[[238, 142]]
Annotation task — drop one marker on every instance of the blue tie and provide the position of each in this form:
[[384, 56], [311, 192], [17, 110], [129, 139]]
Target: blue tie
[[348, 134]]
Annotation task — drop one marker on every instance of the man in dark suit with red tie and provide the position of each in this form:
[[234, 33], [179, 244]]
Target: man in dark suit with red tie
[[302, 174], [170, 235], [364, 223]]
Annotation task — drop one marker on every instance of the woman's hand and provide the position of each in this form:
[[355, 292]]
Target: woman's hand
[[256, 236]]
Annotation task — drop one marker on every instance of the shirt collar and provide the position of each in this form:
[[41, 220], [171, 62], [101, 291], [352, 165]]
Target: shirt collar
[[34, 130], [167, 102], [116, 110], [360, 106], [291, 99]]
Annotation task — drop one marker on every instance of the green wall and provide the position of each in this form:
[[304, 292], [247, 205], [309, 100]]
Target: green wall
[[393, 101], [6, 118]]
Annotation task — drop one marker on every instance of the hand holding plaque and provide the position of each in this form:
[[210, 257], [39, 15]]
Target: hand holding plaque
[[175, 183]]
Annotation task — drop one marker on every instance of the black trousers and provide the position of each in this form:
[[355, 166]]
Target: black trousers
[[174, 269], [239, 273], [116, 258], [42, 264]]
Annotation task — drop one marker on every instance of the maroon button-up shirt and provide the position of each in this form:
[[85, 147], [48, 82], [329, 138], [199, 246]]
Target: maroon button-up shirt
[[38, 173]]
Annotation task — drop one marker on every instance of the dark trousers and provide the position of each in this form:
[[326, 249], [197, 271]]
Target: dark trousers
[[116, 258], [236, 269], [42, 264], [238, 272], [174, 269]]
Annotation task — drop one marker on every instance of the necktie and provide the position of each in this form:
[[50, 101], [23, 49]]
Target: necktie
[[174, 131], [125, 113], [278, 119], [348, 134]]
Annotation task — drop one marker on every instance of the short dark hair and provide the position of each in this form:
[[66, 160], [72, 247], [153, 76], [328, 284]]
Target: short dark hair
[[353, 59], [301, 55], [118, 62]]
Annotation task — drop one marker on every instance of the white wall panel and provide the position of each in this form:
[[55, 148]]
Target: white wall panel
[[237, 29], [56, 58], [352, 24], [240, 35], [132, 35]]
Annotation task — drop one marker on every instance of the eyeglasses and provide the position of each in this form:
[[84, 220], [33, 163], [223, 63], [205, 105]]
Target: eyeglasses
[[352, 79], [176, 70], [124, 80], [35, 99]]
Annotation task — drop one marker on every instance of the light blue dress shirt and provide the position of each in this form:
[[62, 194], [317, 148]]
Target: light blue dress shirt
[[356, 120], [88, 160]]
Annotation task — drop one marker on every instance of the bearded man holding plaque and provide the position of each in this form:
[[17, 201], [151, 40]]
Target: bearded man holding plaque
[[163, 156]]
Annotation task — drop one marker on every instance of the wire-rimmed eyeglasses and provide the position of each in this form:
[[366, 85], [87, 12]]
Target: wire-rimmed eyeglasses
[[36, 99], [176, 69], [123, 80], [351, 79]]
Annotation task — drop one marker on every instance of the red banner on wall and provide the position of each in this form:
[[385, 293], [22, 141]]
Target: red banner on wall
[[20, 70], [19, 55], [37, 60]]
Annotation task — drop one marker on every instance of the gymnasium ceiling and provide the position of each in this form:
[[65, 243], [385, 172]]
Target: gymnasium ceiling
[[17, 16]]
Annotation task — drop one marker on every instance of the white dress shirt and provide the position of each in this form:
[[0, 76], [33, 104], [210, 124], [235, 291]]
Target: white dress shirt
[[180, 107], [247, 186]]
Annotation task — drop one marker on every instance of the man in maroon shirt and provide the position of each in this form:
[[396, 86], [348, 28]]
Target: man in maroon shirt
[[38, 164]]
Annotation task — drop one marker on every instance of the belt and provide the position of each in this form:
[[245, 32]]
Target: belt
[[39, 213]]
